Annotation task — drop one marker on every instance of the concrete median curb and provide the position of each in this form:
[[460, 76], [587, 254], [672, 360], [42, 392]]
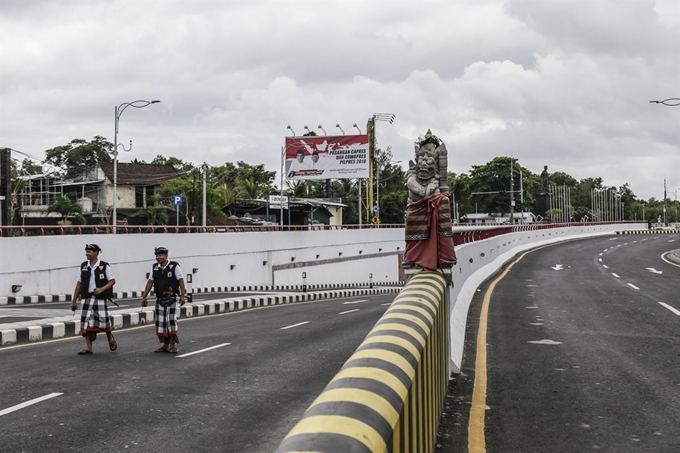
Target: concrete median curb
[[673, 256], [65, 326], [20, 300]]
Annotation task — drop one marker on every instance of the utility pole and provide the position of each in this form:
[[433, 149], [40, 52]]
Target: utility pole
[[664, 201], [521, 195], [205, 174], [370, 130], [512, 195], [5, 187]]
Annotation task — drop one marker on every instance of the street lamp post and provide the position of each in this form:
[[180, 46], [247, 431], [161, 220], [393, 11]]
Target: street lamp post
[[119, 109], [370, 130], [341, 129]]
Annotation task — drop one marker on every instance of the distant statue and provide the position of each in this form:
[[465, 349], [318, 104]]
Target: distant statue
[[544, 180], [429, 234]]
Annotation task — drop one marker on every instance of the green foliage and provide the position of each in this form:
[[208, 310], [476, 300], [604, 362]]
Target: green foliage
[[67, 208], [393, 207], [495, 177], [233, 182], [179, 164], [154, 215], [28, 167], [247, 189], [79, 156], [553, 214]]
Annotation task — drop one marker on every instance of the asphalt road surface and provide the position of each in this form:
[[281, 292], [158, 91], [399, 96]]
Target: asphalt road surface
[[582, 353], [239, 383]]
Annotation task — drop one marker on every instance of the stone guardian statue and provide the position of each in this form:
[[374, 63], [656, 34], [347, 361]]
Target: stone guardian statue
[[429, 234]]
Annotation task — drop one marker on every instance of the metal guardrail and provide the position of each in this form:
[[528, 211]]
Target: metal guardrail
[[60, 230], [463, 233]]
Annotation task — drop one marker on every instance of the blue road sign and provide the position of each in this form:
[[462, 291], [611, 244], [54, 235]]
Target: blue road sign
[[178, 200], [376, 208]]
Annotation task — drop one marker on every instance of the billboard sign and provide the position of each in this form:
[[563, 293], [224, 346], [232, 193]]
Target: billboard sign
[[327, 157]]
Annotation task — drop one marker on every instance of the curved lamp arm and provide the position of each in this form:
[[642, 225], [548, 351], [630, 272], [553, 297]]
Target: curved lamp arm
[[671, 102]]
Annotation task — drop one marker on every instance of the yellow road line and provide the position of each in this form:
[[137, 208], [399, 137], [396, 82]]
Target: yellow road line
[[476, 438]]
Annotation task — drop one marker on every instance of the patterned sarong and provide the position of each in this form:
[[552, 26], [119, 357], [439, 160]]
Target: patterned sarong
[[166, 320], [94, 316]]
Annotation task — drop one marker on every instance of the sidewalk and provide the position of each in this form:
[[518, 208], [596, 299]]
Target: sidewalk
[[68, 326]]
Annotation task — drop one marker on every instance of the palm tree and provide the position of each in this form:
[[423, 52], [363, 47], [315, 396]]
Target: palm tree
[[247, 189], [154, 215], [225, 196], [297, 189], [67, 208]]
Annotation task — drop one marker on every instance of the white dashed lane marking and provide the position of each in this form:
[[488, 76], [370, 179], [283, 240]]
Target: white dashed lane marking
[[349, 311], [545, 341], [28, 403], [203, 350], [677, 312], [295, 325]]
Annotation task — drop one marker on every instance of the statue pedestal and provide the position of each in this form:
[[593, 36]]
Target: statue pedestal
[[542, 204]]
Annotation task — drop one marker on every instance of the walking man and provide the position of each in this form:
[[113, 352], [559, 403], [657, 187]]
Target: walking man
[[168, 282], [94, 286]]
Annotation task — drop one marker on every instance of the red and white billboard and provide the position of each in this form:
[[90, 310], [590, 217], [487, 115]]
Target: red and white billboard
[[327, 157]]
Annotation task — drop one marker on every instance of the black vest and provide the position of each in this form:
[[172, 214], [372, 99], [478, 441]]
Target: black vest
[[165, 278], [99, 280]]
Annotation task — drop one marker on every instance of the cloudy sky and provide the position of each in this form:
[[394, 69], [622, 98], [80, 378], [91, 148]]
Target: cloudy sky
[[561, 83]]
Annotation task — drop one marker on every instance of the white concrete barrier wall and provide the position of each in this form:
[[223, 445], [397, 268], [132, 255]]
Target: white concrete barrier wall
[[45, 265]]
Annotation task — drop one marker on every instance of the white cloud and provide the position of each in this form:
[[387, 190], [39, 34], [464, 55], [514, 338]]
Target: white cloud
[[565, 84]]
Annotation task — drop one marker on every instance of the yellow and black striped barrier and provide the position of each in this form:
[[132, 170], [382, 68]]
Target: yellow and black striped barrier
[[389, 394], [648, 232]]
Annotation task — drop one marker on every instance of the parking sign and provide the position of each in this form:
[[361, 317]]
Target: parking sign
[[178, 200]]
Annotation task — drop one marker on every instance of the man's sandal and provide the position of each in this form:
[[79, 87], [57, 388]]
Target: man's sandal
[[161, 349], [84, 351], [112, 344], [173, 349]]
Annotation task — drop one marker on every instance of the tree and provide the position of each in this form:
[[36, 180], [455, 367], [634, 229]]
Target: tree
[[495, 177], [224, 195], [154, 215], [247, 189], [67, 208], [79, 156], [393, 194], [393, 207]]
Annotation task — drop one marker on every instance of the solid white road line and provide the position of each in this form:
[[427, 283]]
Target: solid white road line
[[633, 286], [354, 302], [28, 403], [295, 325], [203, 350], [615, 275], [349, 311], [677, 312]]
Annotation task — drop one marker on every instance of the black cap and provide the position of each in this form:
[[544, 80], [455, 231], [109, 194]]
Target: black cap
[[93, 247], [160, 251]]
